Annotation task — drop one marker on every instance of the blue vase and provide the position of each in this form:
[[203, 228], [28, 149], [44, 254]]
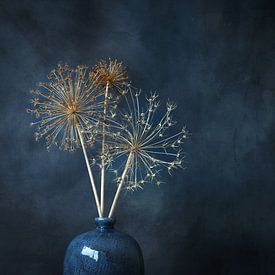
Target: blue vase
[[103, 251]]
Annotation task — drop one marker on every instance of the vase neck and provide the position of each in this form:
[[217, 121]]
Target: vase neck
[[104, 223]]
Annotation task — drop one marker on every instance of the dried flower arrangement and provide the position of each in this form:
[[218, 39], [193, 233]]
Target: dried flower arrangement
[[83, 107]]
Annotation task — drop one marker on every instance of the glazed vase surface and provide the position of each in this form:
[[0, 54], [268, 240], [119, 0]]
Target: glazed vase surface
[[103, 251]]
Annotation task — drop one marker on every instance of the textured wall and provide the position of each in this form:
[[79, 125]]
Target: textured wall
[[216, 59]]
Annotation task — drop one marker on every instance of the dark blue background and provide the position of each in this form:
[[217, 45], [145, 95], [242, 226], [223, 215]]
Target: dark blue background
[[216, 59]]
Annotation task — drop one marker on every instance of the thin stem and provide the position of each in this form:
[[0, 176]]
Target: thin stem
[[103, 151], [127, 166], [89, 171]]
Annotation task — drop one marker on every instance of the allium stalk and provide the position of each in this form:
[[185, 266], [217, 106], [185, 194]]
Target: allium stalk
[[124, 174], [103, 151], [89, 172]]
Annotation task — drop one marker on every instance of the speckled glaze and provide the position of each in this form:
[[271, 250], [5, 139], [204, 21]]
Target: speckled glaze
[[103, 251]]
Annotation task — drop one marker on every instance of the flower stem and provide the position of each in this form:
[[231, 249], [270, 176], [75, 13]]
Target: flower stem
[[89, 171], [103, 151], [127, 166]]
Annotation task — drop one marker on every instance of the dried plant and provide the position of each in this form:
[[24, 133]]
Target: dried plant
[[67, 108], [64, 104], [112, 74], [143, 143], [78, 107], [112, 79]]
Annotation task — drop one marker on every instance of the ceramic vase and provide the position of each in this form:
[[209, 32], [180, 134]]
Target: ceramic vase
[[103, 251]]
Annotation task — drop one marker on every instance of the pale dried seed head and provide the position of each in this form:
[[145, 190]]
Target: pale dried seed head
[[139, 131], [112, 73], [67, 101]]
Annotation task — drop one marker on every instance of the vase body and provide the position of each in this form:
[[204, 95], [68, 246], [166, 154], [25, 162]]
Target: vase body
[[103, 251]]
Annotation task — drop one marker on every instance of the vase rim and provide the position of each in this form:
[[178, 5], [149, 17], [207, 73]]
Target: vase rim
[[105, 222]]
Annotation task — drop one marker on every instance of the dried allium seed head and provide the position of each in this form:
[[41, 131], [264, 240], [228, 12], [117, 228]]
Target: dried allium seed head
[[110, 73], [64, 104], [138, 132]]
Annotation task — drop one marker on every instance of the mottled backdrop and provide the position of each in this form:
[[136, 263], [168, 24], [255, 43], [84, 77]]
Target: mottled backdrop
[[216, 59]]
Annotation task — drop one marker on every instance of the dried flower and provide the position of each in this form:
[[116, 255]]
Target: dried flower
[[64, 105], [77, 107], [110, 73], [138, 132]]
